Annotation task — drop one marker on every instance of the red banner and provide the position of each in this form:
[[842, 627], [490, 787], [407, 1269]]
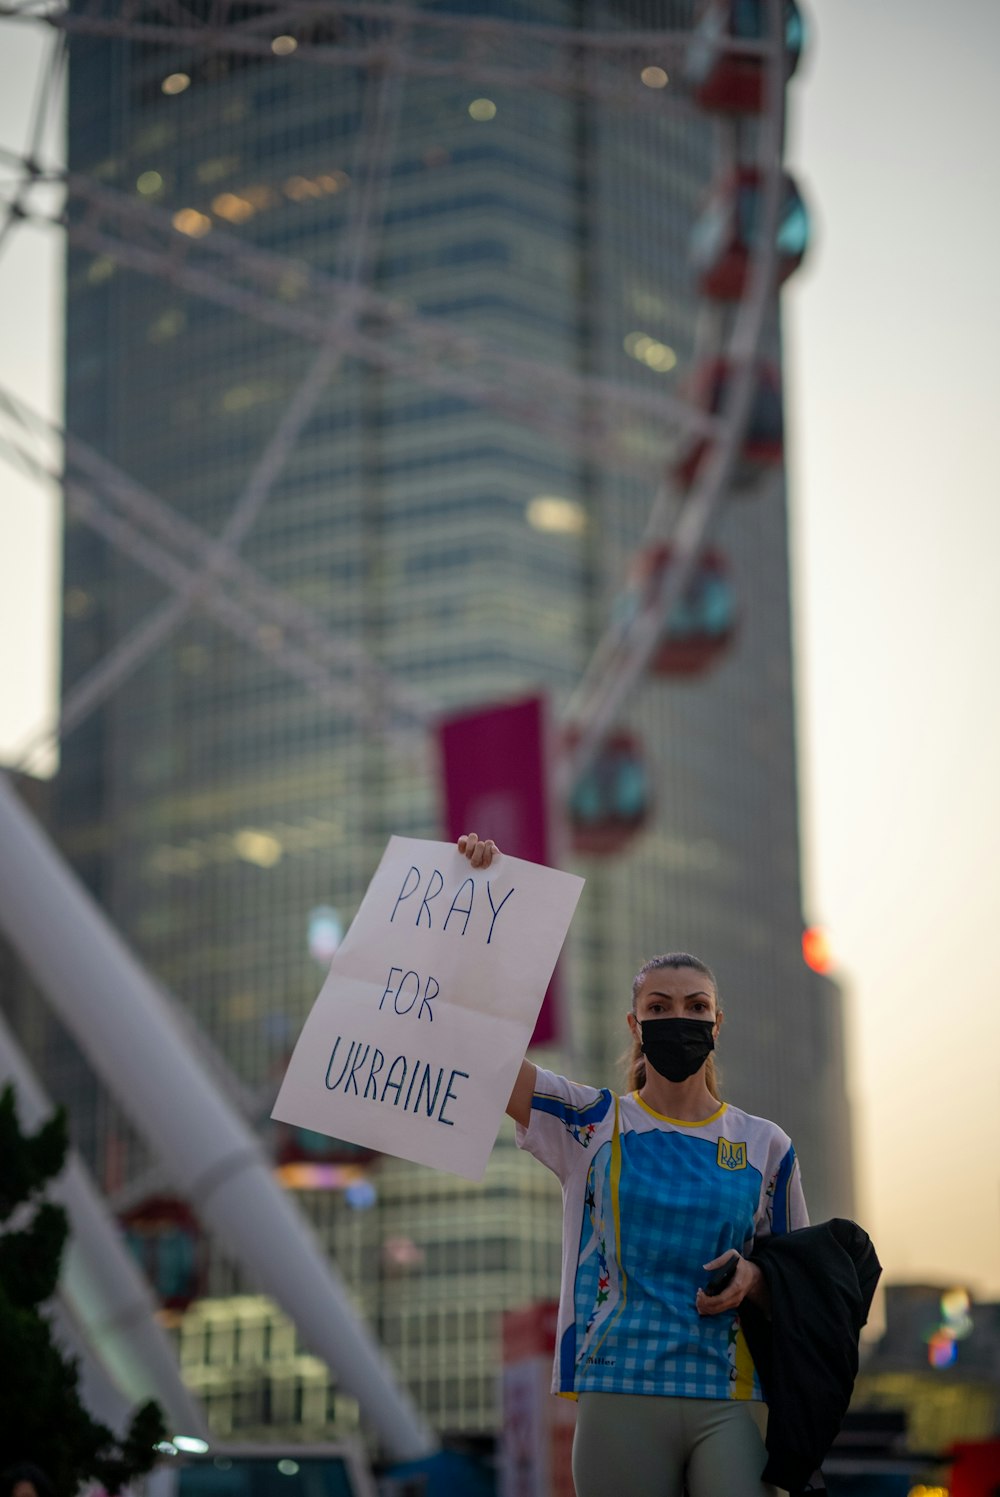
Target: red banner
[[496, 775]]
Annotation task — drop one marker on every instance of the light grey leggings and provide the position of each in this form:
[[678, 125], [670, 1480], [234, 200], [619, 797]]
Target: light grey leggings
[[647, 1447]]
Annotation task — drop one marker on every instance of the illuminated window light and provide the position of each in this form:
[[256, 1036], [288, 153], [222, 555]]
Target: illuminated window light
[[233, 208], [399, 1254], [259, 196], [190, 1444], [167, 326], [955, 1309], [283, 46], [301, 188], [77, 604], [149, 184], [361, 1196], [650, 351], [292, 284], [955, 1304], [482, 109], [175, 83], [192, 223], [101, 269], [654, 77], [244, 397], [305, 1176], [817, 949], [258, 847], [942, 1349], [216, 168], [326, 931], [659, 357], [555, 515]]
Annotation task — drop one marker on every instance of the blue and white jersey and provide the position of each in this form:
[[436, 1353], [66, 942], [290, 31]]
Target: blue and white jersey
[[647, 1200]]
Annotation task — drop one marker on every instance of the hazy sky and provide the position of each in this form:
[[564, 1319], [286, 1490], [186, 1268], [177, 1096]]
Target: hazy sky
[[892, 333]]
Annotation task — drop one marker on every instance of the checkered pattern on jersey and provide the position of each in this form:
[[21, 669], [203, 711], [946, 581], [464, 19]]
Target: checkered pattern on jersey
[[679, 1208]]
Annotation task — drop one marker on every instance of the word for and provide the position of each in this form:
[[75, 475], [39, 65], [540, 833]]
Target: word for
[[361, 1073], [462, 902], [403, 1000]]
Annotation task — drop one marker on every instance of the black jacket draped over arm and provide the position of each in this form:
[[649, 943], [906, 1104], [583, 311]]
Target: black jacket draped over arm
[[821, 1281]]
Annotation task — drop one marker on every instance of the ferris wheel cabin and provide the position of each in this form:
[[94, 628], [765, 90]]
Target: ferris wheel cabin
[[702, 625], [722, 79], [725, 237], [764, 440], [611, 801]]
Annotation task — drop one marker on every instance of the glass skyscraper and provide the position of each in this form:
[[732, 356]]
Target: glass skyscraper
[[214, 801]]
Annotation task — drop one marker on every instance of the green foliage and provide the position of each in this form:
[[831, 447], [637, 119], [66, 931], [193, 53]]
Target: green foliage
[[29, 1260], [27, 1164], [41, 1417]]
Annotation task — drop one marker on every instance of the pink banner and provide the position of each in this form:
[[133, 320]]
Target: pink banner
[[495, 765]]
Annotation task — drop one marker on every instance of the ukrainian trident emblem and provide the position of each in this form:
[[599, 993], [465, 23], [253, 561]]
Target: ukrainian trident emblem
[[731, 1156]]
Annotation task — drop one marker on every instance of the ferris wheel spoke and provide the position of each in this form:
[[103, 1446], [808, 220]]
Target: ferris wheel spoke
[[290, 635], [477, 49], [224, 269], [345, 317]]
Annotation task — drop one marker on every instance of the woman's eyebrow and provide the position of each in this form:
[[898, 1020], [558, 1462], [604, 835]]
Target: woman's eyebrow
[[699, 993]]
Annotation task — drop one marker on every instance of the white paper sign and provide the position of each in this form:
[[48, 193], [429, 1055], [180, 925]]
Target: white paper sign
[[414, 1043]]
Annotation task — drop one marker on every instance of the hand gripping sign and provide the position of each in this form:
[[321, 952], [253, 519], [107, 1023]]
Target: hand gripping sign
[[415, 1040]]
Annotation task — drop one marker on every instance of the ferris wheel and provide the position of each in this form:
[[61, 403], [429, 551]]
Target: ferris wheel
[[722, 415]]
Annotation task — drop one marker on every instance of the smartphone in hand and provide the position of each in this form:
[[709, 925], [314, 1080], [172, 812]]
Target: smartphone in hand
[[720, 1278]]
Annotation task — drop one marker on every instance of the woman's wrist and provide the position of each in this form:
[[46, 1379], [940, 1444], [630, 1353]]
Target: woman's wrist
[[757, 1291]]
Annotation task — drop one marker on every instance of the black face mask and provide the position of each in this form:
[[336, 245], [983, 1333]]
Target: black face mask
[[677, 1047]]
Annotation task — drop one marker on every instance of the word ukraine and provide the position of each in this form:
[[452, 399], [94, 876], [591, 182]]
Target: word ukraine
[[361, 1075]]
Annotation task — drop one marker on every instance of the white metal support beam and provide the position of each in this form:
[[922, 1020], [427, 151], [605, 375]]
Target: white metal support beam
[[123, 1023]]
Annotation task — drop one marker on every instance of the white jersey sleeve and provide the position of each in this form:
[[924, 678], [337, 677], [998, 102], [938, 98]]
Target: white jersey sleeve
[[783, 1203], [567, 1120]]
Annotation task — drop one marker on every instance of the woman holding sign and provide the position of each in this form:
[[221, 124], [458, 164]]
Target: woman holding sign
[[665, 1190]]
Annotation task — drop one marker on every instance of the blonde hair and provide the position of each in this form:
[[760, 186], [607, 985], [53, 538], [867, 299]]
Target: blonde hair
[[633, 1060]]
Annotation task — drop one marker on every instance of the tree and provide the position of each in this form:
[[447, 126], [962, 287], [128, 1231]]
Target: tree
[[41, 1416]]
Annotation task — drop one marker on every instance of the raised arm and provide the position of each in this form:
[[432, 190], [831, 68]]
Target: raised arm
[[519, 1106], [480, 853]]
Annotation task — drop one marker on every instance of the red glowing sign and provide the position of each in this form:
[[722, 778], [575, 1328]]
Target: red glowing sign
[[817, 950]]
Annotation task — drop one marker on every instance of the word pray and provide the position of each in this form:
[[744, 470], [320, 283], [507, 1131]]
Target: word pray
[[361, 1073], [463, 901]]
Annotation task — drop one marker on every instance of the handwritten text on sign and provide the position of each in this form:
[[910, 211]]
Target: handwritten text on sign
[[414, 1043]]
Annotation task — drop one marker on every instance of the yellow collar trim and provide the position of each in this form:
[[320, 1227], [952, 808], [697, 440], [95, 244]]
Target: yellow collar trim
[[681, 1122]]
